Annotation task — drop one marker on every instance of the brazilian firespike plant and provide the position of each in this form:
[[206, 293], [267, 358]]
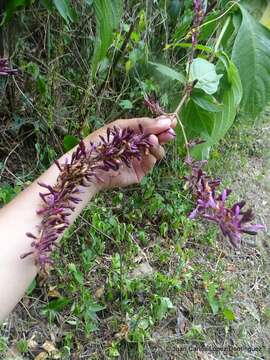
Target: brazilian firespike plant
[[120, 147]]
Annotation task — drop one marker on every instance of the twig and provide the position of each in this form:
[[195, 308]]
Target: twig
[[176, 114]]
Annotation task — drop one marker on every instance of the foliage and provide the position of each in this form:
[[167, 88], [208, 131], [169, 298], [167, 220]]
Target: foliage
[[241, 41], [133, 267], [108, 14], [250, 54]]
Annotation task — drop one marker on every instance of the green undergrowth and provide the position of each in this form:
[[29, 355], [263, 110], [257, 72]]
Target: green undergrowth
[[136, 278]]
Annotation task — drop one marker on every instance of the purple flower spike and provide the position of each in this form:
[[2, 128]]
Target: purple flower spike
[[119, 147], [5, 70], [199, 13], [233, 222]]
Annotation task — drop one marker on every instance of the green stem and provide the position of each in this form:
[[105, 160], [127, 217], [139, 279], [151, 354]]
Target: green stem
[[175, 113]]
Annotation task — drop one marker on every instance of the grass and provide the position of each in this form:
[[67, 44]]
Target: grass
[[136, 279]]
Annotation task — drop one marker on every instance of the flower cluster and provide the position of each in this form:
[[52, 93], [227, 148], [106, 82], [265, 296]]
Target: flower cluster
[[119, 147], [197, 20], [151, 102], [5, 70], [199, 13], [211, 205]]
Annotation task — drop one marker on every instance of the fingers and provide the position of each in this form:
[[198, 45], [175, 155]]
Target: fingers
[[150, 125], [157, 150], [166, 136], [143, 166], [174, 121]]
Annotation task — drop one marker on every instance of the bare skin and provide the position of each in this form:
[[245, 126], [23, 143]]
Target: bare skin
[[19, 216]]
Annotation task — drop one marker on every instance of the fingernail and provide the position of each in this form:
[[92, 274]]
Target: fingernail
[[171, 132], [164, 122]]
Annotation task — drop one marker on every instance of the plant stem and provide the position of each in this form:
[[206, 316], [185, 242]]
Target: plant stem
[[175, 113]]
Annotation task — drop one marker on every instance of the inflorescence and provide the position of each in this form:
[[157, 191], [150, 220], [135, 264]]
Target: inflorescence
[[211, 205], [5, 70], [120, 146], [197, 20]]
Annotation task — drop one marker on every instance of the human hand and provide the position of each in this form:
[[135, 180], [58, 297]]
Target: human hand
[[158, 128]]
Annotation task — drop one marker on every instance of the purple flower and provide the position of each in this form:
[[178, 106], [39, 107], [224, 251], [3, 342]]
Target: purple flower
[[211, 206], [197, 20], [119, 147], [5, 70]]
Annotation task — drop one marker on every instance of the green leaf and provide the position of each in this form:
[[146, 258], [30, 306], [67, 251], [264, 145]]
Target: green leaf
[[206, 102], [169, 72], [198, 122], [12, 6], [47, 4], [78, 275], [69, 142], [65, 10], [108, 14], [126, 104], [162, 306], [211, 297], [212, 127], [251, 55], [57, 305], [231, 99], [205, 73], [229, 314], [7, 193]]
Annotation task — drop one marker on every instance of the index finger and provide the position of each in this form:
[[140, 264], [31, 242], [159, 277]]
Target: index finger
[[149, 125]]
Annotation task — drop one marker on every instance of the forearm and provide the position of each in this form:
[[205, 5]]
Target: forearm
[[17, 218]]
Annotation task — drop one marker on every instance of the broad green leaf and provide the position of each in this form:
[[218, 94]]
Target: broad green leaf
[[205, 74], [255, 7], [108, 14], [69, 142], [206, 102], [251, 55], [64, 9], [198, 122], [169, 72], [231, 100], [212, 126]]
